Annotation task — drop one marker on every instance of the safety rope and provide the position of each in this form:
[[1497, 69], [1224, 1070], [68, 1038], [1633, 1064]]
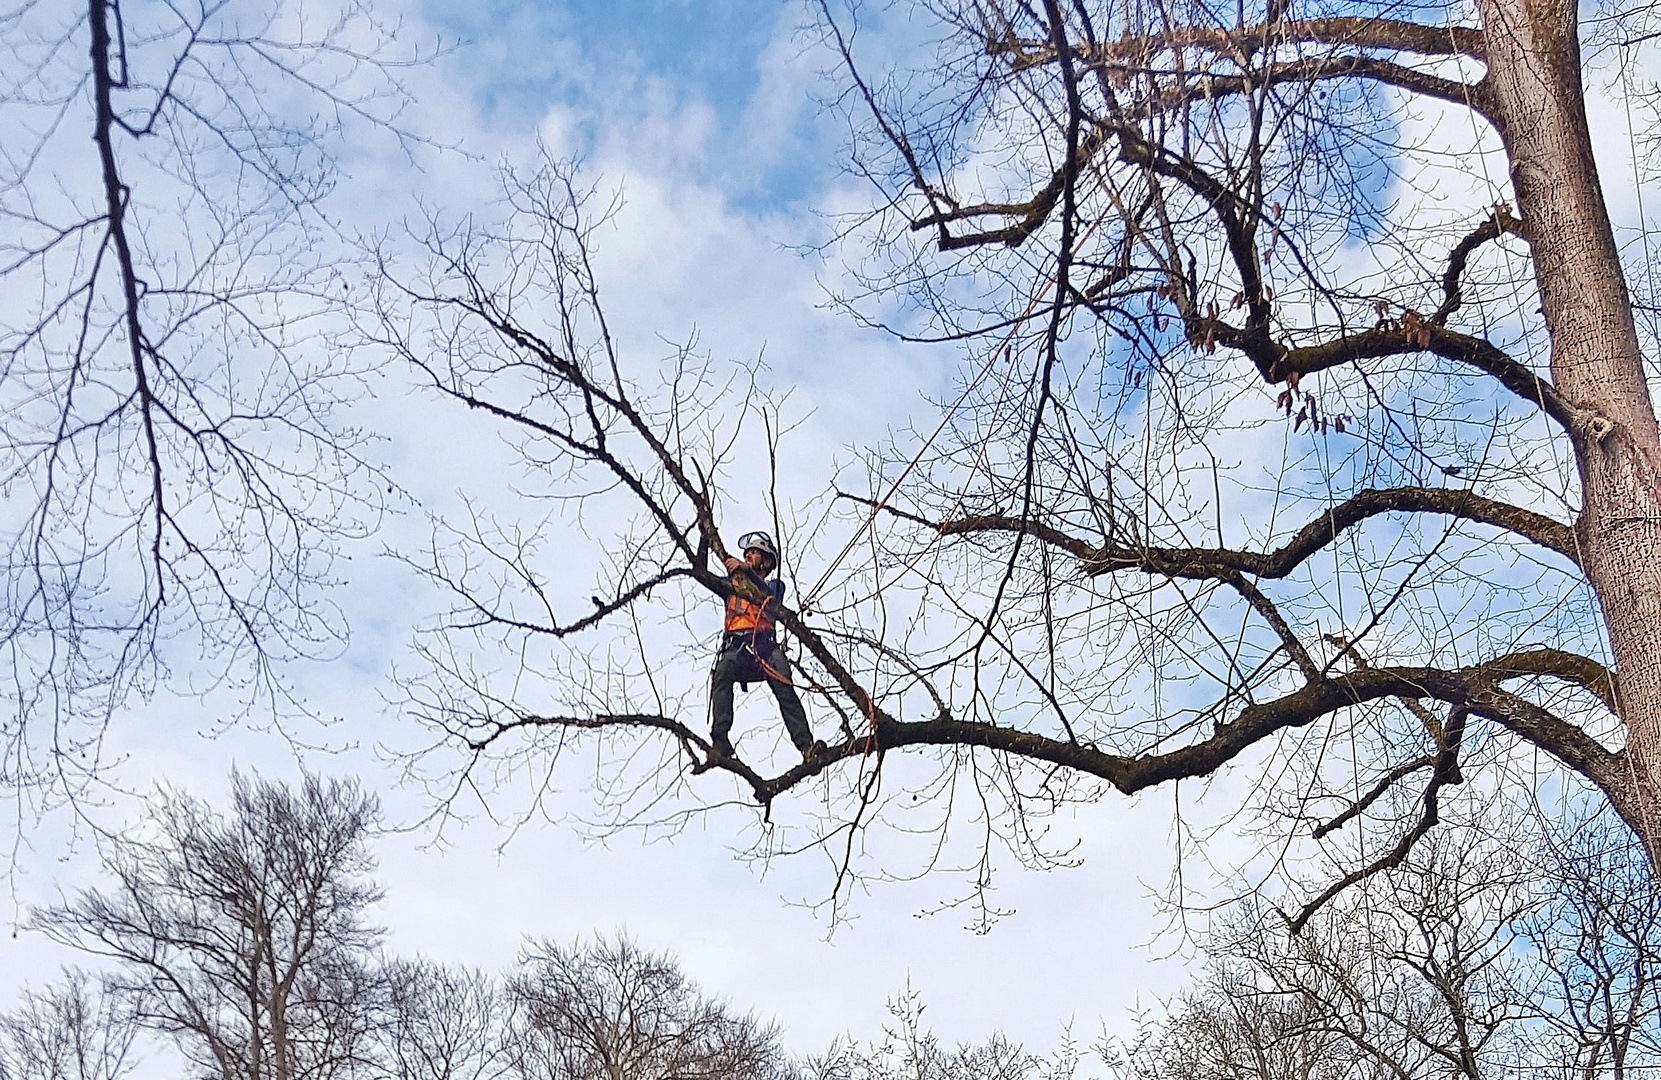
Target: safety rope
[[772, 673], [768, 670], [1004, 348]]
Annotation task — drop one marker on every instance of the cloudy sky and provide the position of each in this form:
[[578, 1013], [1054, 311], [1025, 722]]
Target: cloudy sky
[[707, 119]]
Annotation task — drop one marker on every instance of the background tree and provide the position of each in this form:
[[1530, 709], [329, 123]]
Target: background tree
[[441, 1023], [1469, 959], [243, 937], [1223, 1030], [609, 1011], [1595, 941], [1307, 417], [176, 481], [910, 1051], [73, 1030]]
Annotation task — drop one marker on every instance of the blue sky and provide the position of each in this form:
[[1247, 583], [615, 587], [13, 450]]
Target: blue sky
[[619, 61], [707, 50]]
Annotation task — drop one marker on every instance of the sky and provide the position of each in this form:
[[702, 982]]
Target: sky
[[707, 119]]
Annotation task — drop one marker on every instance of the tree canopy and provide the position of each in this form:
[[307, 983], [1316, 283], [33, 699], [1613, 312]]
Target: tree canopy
[[1304, 423]]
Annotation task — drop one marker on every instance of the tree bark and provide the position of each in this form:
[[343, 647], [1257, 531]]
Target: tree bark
[[1533, 53]]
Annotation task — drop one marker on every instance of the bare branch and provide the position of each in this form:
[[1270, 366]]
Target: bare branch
[[1095, 559]]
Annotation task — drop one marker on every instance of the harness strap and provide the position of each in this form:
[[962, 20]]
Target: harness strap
[[755, 641]]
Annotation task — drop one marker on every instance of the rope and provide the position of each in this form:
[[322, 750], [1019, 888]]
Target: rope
[[770, 672], [1005, 348], [778, 676]]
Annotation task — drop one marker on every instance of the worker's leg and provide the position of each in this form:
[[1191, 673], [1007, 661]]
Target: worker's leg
[[790, 703], [721, 678]]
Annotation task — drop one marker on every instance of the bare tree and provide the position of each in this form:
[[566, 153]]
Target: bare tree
[[1226, 1029], [243, 937], [177, 483], [1595, 940], [1306, 415], [1173, 194], [74, 1030], [441, 1023], [1470, 959], [910, 1051], [609, 1011]]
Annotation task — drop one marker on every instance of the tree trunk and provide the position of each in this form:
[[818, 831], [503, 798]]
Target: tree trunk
[[1533, 53]]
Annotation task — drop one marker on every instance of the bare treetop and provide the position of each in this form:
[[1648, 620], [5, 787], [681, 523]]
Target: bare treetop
[[609, 1010], [243, 937], [176, 478]]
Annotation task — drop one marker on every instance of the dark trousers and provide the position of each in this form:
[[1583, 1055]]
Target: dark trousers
[[738, 663]]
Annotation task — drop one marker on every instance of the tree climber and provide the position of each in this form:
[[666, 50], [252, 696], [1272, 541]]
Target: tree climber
[[750, 651]]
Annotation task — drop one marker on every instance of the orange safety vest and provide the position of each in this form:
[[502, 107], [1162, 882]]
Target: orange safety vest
[[744, 617]]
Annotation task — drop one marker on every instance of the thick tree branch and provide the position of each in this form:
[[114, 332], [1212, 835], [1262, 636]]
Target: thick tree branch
[[1385, 35], [1582, 671], [1402, 337], [1030, 214], [1500, 223], [1445, 771], [1270, 614], [1236, 216], [1376, 792], [1309, 70], [1096, 559], [115, 203], [1474, 689]]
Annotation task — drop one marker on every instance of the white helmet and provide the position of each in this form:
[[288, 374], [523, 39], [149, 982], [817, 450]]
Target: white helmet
[[759, 541]]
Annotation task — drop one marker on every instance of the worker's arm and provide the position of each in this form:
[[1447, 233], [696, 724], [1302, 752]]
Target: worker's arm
[[773, 589]]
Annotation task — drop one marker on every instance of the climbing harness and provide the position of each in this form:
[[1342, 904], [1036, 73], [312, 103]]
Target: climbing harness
[[748, 623]]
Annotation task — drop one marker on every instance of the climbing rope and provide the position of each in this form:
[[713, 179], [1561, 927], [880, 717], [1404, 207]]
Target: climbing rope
[[1004, 349]]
